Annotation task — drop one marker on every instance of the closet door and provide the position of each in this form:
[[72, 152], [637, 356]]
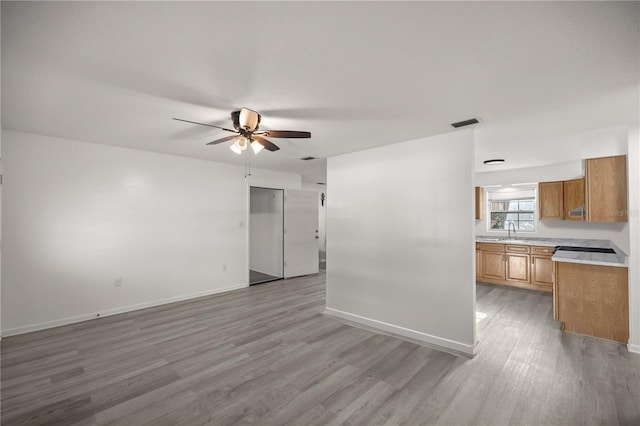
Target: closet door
[[301, 248]]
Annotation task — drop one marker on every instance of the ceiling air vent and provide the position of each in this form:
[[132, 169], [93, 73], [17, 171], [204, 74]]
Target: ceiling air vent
[[308, 158], [465, 123]]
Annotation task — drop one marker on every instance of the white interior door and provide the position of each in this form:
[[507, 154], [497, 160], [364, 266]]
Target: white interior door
[[301, 250]]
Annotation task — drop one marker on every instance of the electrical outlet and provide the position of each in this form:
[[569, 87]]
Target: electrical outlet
[[117, 282]]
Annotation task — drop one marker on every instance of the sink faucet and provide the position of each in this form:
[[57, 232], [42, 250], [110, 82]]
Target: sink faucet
[[511, 224]]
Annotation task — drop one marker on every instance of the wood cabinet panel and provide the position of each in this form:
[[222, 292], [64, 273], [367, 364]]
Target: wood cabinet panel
[[593, 300], [574, 198], [479, 202], [493, 265], [542, 270], [478, 264], [517, 249], [493, 247], [517, 267], [542, 250], [606, 188], [550, 200]]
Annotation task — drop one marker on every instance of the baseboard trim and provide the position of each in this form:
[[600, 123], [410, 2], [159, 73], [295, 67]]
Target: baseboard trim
[[633, 348], [424, 339], [115, 311]]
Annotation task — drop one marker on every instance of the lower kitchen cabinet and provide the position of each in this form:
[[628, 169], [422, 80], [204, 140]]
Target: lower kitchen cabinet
[[493, 265], [515, 265], [592, 300], [542, 270]]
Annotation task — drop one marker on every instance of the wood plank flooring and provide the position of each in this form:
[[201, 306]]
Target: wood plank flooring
[[266, 355]]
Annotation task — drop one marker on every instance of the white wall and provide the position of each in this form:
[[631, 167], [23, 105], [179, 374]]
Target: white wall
[[401, 239], [276, 180], [266, 231], [77, 216], [600, 143]]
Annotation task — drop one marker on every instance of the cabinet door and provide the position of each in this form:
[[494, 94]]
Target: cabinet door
[[542, 270], [574, 199], [478, 264], [493, 265], [479, 202], [550, 203], [517, 267], [607, 189]]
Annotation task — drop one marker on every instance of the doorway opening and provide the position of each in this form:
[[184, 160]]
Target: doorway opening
[[266, 235]]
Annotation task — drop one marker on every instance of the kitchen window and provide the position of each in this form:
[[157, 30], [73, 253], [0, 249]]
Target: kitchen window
[[518, 207]]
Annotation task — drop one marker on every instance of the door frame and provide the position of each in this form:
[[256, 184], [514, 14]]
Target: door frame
[[249, 232]]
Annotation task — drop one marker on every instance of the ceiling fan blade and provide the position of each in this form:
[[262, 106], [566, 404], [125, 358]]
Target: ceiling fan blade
[[228, 138], [249, 119], [286, 134], [203, 124], [268, 145]]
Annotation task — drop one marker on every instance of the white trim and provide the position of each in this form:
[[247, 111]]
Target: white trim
[[429, 339], [79, 318], [633, 348]]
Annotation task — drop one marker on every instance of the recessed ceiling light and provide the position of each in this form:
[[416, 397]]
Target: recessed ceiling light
[[494, 161]]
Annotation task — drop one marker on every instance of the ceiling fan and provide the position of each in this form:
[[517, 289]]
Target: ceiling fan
[[246, 123]]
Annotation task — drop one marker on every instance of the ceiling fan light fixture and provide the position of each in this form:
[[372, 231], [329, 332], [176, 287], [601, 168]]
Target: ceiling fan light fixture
[[256, 146], [235, 148], [246, 123], [241, 143], [249, 119]]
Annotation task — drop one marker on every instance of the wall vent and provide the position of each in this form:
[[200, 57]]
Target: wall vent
[[308, 158], [465, 123]]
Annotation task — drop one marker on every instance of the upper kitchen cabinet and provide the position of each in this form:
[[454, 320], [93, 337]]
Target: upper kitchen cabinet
[[606, 187], [550, 200], [479, 202], [574, 199]]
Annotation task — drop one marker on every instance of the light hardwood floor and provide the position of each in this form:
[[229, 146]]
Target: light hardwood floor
[[266, 355]]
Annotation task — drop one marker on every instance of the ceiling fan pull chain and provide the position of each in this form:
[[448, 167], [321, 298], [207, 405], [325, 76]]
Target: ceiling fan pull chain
[[247, 166]]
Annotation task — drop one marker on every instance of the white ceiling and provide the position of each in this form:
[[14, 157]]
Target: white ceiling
[[357, 75]]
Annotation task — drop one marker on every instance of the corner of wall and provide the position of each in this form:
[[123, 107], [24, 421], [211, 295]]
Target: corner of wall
[[633, 170]]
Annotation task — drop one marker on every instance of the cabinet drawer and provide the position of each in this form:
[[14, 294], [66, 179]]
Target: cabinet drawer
[[517, 249], [493, 247], [542, 250]]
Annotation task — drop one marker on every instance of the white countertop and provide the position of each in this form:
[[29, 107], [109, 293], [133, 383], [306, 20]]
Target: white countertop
[[604, 259]]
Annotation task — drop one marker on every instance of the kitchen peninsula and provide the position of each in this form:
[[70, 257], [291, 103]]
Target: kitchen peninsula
[[590, 288]]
